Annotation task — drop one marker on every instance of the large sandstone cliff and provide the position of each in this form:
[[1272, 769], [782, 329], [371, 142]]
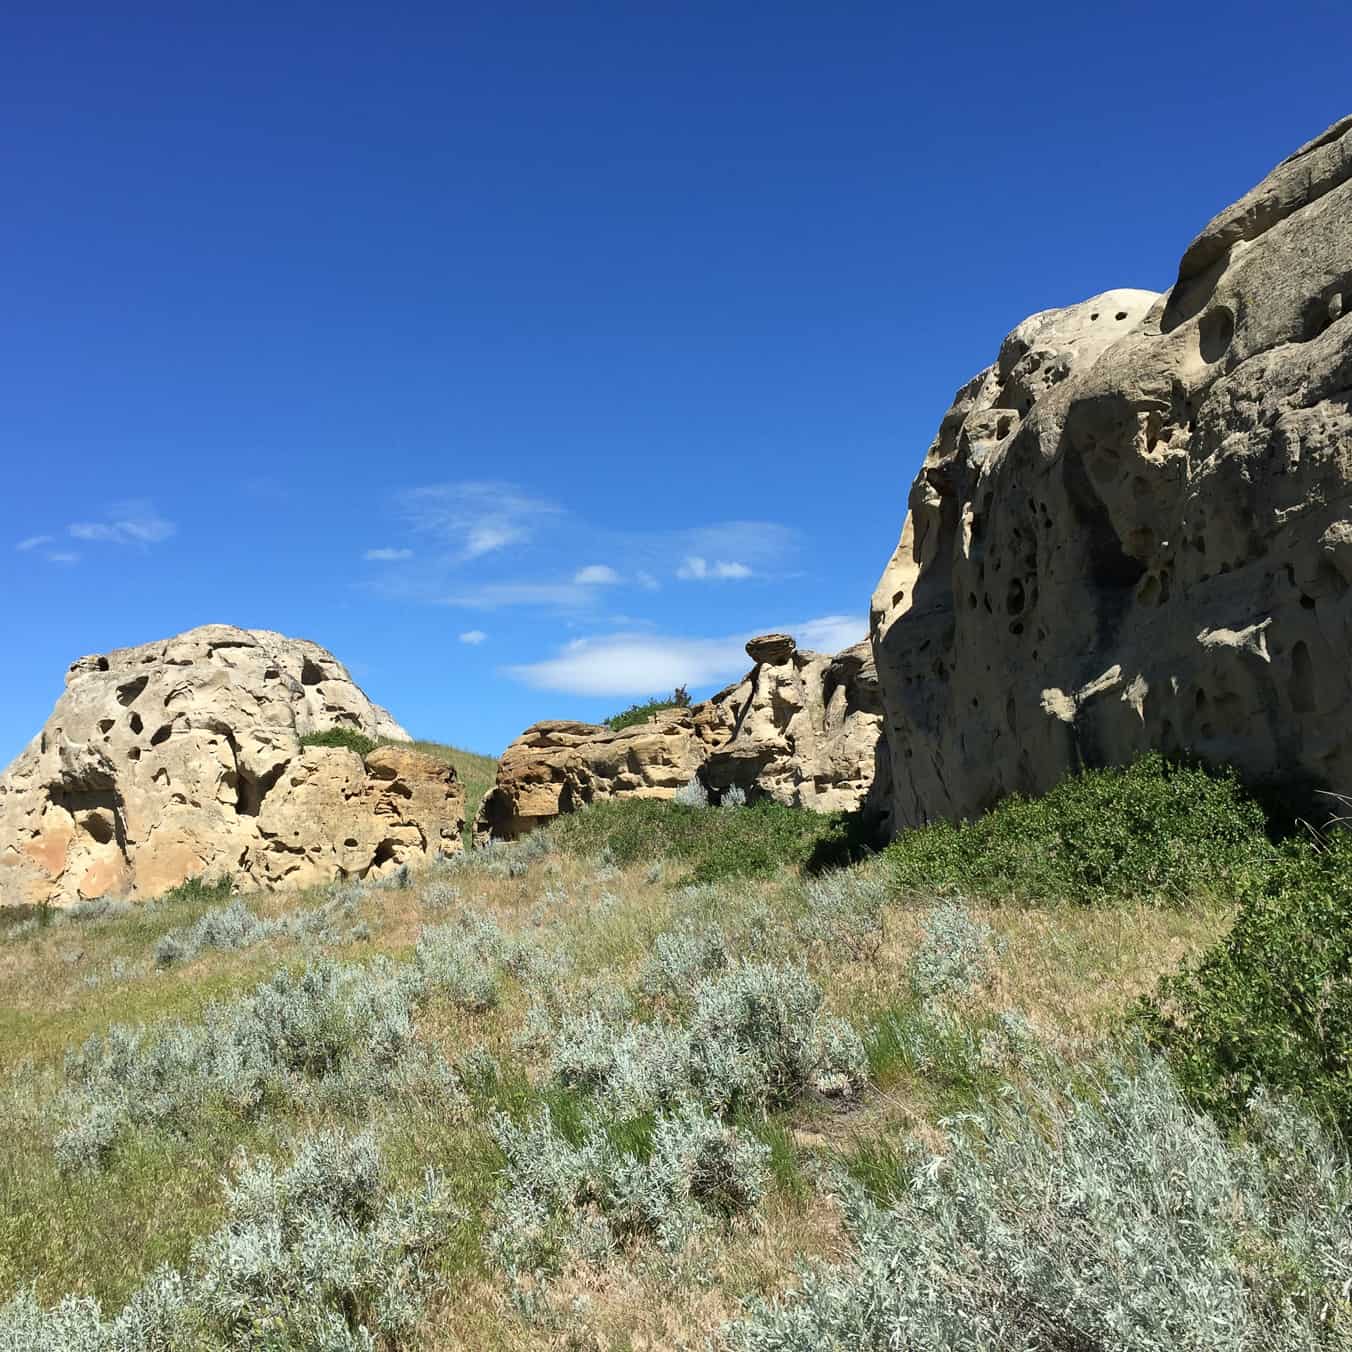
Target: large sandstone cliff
[[1134, 530], [183, 757], [801, 727]]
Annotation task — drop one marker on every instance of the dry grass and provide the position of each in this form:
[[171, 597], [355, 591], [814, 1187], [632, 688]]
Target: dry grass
[[1070, 971]]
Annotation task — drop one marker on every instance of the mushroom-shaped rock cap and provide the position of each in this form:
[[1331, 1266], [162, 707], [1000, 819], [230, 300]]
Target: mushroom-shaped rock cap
[[772, 648]]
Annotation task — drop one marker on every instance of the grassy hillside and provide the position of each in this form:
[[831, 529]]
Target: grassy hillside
[[568, 1094]]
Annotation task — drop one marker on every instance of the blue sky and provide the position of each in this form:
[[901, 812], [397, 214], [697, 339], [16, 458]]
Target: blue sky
[[531, 357]]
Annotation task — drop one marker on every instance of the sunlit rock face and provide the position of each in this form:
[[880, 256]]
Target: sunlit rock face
[[1134, 530], [804, 728], [183, 758]]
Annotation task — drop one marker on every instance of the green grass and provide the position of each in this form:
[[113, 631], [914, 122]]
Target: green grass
[[343, 737], [1277, 990], [710, 844]]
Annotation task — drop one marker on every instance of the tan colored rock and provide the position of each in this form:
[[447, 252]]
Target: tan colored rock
[[183, 758], [771, 648], [804, 728], [1134, 531]]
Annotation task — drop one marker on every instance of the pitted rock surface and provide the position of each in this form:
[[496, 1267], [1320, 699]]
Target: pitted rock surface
[[1134, 530], [182, 758], [804, 728]]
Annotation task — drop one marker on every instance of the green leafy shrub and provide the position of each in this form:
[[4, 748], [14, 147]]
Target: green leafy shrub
[[1156, 831], [1271, 1003], [754, 842], [1122, 1219], [344, 737]]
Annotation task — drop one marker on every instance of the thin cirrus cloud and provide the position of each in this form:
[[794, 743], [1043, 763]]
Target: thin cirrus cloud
[[135, 522], [473, 637], [33, 542], [638, 664], [476, 518], [696, 568], [387, 555]]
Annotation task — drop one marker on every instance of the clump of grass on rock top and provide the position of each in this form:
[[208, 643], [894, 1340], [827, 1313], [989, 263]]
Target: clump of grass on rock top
[[344, 737]]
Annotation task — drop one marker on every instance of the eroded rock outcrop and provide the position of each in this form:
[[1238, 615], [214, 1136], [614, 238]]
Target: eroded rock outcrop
[[1134, 530], [183, 757], [802, 727]]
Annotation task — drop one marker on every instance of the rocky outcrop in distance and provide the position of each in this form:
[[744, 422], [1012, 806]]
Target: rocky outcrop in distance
[[183, 758], [801, 727], [1134, 530]]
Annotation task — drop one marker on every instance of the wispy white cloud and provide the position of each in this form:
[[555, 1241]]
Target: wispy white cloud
[[65, 556], [831, 633], [387, 555], [597, 575], [634, 664], [135, 522], [494, 595], [476, 518], [33, 542], [639, 664], [647, 581], [696, 568], [473, 637]]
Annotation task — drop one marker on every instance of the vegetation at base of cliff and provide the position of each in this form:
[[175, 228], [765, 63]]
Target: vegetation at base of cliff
[[709, 844], [1271, 1005], [1155, 831], [349, 738], [641, 713], [565, 1092]]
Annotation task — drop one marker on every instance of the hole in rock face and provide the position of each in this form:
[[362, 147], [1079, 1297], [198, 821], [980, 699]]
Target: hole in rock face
[[1215, 334], [134, 753], [310, 673], [1306, 602], [135, 724], [105, 726], [99, 827], [350, 843], [1014, 597], [161, 735], [1120, 316], [1302, 679], [127, 694]]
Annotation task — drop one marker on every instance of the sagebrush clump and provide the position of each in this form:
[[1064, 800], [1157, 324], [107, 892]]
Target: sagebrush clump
[[1121, 1219]]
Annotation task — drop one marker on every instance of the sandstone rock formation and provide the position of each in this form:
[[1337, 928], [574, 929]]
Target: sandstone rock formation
[[1134, 530], [801, 727], [183, 757]]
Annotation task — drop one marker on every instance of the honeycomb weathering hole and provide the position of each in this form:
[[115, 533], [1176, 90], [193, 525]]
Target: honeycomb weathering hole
[[1215, 334]]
